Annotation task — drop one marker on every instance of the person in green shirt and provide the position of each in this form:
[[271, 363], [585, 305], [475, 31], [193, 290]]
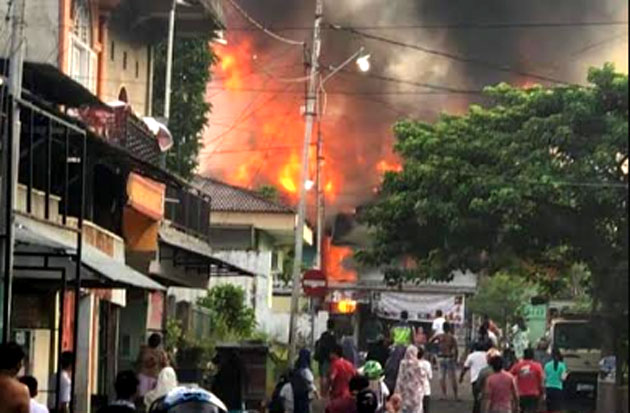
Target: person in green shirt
[[402, 332], [555, 374]]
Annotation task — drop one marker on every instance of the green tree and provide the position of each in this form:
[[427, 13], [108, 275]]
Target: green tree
[[501, 297], [530, 184], [192, 60], [269, 192], [229, 314]]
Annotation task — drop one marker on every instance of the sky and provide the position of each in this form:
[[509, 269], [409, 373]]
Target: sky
[[256, 128]]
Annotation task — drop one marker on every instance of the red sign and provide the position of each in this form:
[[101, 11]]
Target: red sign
[[314, 283]]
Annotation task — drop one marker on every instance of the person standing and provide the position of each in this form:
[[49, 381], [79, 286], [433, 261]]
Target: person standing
[[300, 389], [151, 360], [447, 357], [166, 381], [420, 338], [323, 347], [379, 351], [500, 393], [350, 351], [126, 387], [14, 396], [520, 338], [410, 383], [373, 371], [529, 381], [475, 362], [31, 383], [437, 326], [485, 373], [402, 332], [341, 372], [426, 383], [392, 367], [65, 385], [555, 374]]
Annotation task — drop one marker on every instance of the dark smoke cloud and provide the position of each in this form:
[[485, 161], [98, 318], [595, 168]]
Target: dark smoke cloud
[[362, 124]]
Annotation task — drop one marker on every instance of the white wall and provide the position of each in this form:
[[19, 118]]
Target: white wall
[[259, 288], [279, 326]]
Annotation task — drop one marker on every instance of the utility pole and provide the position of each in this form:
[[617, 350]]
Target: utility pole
[[320, 197], [11, 158], [169, 60], [310, 114]]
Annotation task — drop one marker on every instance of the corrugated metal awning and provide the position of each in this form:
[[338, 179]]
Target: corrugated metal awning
[[99, 267]]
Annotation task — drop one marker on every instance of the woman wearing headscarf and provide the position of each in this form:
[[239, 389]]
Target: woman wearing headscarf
[[410, 381], [166, 381], [392, 366], [300, 389]]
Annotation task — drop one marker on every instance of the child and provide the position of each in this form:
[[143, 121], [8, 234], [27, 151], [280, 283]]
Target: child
[[374, 373]]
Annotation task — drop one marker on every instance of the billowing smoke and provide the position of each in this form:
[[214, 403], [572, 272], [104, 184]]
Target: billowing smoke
[[256, 129]]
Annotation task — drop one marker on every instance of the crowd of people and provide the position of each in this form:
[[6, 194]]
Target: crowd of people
[[135, 390], [397, 378]]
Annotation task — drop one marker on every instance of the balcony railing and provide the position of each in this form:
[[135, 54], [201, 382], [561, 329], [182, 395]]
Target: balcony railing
[[188, 211], [120, 127]]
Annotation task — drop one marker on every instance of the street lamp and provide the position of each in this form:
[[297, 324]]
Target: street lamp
[[363, 63], [169, 56], [315, 84]]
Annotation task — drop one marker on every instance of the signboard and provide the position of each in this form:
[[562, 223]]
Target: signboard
[[420, 306], [314, 283]]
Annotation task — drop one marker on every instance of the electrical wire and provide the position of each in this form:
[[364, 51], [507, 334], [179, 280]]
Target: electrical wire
[[262, 28], [458, 26], [455, 57]]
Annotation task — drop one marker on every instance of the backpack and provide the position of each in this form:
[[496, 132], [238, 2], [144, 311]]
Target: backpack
[[276, 403]]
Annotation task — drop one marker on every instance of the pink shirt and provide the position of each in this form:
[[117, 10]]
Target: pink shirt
[[499, 390]]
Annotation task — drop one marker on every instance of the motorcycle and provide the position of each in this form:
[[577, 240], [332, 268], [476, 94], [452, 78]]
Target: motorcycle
[[188, 400]]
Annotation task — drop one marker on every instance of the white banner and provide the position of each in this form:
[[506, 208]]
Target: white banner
[[421, 307]]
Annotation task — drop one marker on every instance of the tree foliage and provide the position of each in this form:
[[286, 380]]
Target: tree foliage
[[501, 297], [531, 184], [269, 192], [229, 314], [192, 59]]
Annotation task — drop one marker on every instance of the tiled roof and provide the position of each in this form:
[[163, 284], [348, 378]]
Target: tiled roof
[[226, 197]]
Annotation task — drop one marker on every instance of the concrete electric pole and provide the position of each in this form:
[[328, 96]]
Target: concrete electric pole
[[311, 98], [11, 158]]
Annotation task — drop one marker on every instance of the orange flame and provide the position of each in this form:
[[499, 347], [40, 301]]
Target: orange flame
[[336, 262], [385, 166]]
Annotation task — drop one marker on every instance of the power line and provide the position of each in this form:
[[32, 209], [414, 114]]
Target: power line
[[452, 56], [262, 28], [455, 26]]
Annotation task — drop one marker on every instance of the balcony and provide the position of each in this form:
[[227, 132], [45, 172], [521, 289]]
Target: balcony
[[120, 127], [188, 211]]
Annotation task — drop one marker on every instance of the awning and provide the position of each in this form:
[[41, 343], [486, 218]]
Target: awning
[[201, 253], [38, 255], [48, 82]]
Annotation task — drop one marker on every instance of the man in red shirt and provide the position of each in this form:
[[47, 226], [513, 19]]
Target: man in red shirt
[[529, 381], [500, 394], [341, 372]]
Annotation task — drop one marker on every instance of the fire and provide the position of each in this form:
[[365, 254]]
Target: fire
[[289, 174], [337, 262], [234, 64], [385, 166]]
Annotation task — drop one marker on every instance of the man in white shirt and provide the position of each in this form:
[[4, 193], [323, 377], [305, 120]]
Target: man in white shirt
[[475, 362], [65, 385], [437, 328], [34, 405], [438, 323], [425, 365]]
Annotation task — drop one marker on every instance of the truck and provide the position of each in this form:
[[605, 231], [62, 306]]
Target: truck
[[579, 344]]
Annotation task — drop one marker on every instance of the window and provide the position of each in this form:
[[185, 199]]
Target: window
[[124, 60], [137, 69], [112, 51], [82, 63]]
